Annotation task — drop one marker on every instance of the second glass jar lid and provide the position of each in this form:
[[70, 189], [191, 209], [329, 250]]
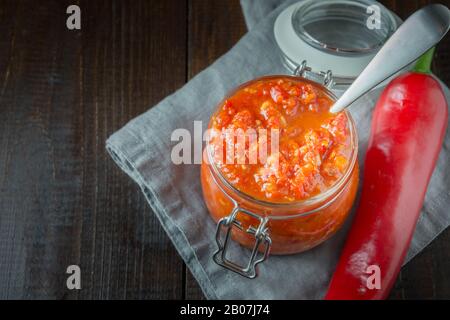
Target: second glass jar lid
[[333, 35]]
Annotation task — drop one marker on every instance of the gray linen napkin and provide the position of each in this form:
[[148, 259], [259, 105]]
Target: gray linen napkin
[[143, 147]]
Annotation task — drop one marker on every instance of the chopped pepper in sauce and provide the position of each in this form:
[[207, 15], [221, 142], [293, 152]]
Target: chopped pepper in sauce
[[314, 144]]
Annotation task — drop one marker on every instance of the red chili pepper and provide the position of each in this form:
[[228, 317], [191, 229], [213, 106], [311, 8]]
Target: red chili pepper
[[408, 128]]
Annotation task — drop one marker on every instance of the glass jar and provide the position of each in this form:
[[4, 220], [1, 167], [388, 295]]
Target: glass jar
[[335, 35], [340, 27], [281, 228]]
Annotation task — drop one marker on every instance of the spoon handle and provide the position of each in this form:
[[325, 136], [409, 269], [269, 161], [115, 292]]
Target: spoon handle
[[420, 32]]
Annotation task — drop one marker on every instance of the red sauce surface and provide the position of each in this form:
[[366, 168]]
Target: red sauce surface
[[314, 144]]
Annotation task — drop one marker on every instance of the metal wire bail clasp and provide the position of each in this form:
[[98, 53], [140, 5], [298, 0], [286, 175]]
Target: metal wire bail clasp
[[326, 78], [260, 234]]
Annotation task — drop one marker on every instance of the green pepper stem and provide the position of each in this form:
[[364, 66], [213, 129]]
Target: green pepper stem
[[423, 65]]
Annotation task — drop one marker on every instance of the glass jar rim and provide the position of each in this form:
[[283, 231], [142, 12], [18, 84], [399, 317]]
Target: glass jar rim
[[311, 6], [331, 193]]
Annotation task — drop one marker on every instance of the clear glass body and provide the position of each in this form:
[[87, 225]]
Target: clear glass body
[[293, 227], [344, 27]]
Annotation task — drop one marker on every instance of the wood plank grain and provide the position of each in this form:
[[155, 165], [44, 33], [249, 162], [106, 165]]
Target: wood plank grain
[[214, 27], [63, 200]]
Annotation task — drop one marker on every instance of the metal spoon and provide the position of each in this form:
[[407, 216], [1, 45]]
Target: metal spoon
[[420, 32]]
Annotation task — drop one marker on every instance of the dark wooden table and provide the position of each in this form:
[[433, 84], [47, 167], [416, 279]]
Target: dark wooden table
[[62, 93]]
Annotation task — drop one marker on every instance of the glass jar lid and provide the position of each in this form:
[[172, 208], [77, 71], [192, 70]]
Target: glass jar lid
[[333, 35]]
